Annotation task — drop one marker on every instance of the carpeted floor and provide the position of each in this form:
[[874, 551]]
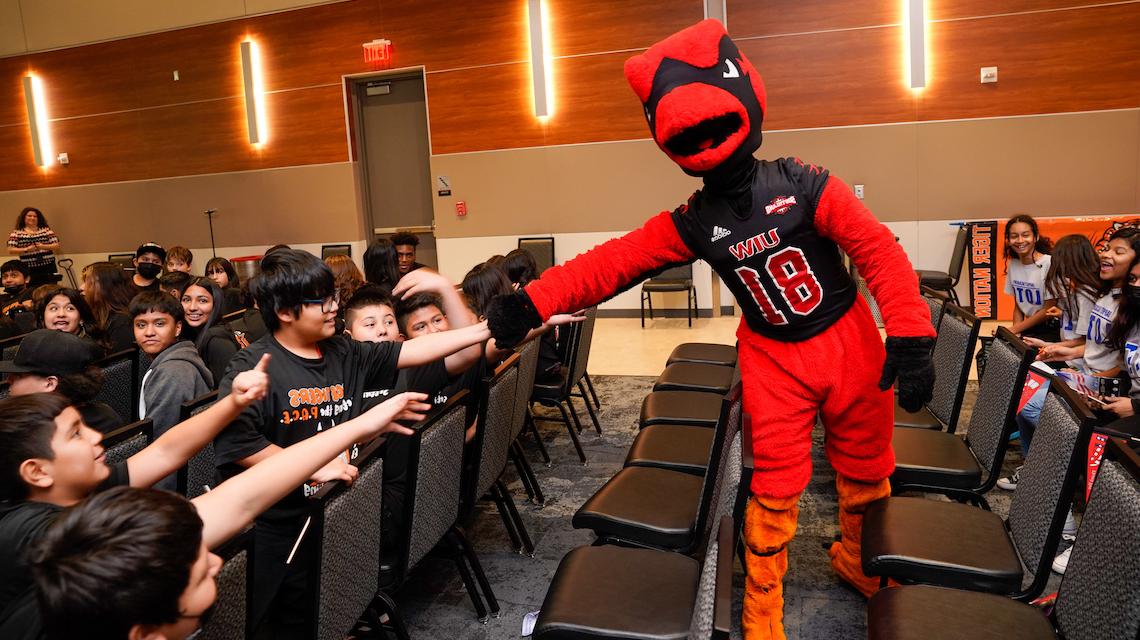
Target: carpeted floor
[[818, 606]]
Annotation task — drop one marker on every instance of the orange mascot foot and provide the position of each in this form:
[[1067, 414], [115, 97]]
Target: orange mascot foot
[[768, 526], [846, 558]]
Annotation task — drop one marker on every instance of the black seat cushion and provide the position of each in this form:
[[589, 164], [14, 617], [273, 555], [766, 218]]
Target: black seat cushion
[[923, 419], [550, 390], [935, 613], [697, 408], [934, 279], [675, 447], [944, 543], [617, 592], [695, 376], [705, 352], [654, 507], [934, 458]]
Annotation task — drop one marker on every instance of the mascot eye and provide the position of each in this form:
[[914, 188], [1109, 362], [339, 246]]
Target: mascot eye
[[730, 70]]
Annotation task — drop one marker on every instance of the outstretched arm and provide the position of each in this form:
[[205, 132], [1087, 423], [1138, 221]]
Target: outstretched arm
[[609, 268]]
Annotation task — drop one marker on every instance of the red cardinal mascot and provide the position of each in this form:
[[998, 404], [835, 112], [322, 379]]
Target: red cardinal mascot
[[808, 346]]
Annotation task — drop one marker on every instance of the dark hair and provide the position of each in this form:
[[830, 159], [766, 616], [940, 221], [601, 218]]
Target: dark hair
[[1074, 261], [520, 267], [366, 296], [199, 335], [1124, 320], [287, 278], [109, 292], [155, 302], [276, 247], [1041, 245], [346, 275], [231, 273], [483, 282], [81, 387], [75, 297], [413, 303], [25, 433], [40, 219], [118, 559], [381, 265], [404, 237], [174, 282], [15, 265], [180, 253]]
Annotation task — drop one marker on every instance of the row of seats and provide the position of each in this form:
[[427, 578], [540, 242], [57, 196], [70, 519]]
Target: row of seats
[[962, 545], [666, 528]]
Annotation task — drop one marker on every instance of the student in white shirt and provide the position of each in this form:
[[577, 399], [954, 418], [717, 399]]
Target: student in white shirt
[[1028, 263], [1073, 280]]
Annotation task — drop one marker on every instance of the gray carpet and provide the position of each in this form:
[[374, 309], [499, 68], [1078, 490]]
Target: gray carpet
[[817, 607]]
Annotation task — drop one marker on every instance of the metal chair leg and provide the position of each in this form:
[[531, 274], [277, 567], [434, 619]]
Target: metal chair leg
[[476, 567], [690, 305], [642, 309], [589, 407], [590, 386], [573, 434], [514, 455], [526, 469], [504, 513], [573, 412], [508, 499], [469, 584], [533, 426]]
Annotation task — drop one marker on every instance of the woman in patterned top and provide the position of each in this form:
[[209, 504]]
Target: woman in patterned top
[[34, 241]]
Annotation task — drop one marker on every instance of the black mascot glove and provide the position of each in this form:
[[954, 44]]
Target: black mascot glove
[[510, 318], [908, 359]]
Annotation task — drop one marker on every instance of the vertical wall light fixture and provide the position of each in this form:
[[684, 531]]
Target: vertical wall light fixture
[[251, 78], [914, 29], [34, 100], [540, 58]]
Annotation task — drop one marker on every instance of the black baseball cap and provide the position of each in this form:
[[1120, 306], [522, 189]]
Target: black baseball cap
[[151, 247], [52, 353]]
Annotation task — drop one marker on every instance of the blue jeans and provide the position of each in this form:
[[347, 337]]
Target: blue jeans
[[1030, 415]]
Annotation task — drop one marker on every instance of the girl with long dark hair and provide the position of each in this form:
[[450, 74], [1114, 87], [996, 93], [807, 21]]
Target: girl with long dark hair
[[1073, 280], [382, 264], [108, 291], [223, 273], [202, 311], [1028, 260], [64, 309]]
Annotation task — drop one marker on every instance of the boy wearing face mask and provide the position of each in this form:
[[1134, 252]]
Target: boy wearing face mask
[[14, 276], [149, 258]]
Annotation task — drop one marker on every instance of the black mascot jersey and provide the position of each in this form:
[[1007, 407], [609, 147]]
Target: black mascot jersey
[[790, 281]]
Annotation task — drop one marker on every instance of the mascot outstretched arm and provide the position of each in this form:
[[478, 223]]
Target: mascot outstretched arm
[[773, 231]]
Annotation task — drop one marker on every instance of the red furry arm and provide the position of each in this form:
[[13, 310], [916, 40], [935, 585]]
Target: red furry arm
[[609, 268], [879, 258]]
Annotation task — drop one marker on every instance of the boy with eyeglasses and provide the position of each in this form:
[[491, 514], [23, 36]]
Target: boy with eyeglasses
[[319, 382]]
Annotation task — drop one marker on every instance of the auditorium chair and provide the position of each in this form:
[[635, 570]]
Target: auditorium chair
[[695, 376], [696, 408], [941, 462], [617, 592], [676, 447], [121, 383], [229, 620], [936, 304], [489, 450], [946, 281], [431, 507], [703, 352], [201, 472], [953, 350], [663, 509], [560, 394], [9, 346], [585, 341], [914, 540], [528, 367], [345, 522], [126, 441], [675, 279], [1099, 596]]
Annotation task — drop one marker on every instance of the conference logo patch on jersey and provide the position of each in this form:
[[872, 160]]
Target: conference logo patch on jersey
[[780, 205], [755, 244], [719, 233]]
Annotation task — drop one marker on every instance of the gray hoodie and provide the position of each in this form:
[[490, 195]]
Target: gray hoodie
[[176, 375]]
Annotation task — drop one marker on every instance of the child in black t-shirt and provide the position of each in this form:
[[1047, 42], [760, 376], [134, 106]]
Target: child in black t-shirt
[[319, 382], [17, 294], [50, 460]]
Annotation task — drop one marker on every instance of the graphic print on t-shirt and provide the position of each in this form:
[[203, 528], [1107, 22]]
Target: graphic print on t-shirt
[[1100, 319]]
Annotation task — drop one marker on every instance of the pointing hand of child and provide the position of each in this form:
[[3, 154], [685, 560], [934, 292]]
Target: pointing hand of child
[[250, 386]]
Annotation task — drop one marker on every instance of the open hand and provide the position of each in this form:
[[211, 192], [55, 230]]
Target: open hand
[[560, 319], [1120, 406], [408, 406], [337, 469], [250, 386], [420, 280]]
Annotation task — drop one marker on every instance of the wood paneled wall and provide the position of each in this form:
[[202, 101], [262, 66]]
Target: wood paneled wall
[[120, 115]]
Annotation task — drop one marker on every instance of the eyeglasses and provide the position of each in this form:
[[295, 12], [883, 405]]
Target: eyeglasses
[[328, 305]]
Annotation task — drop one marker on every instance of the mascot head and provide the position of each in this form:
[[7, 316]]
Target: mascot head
[[703, 99]]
